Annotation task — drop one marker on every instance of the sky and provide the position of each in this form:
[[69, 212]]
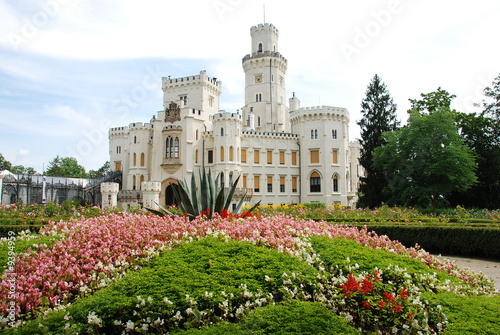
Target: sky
[[72, 69]]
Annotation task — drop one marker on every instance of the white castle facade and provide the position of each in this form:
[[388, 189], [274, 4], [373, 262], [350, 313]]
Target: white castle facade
[[283, 154]]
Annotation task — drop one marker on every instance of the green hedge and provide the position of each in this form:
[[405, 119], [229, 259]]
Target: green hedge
[[450, 240], [295, 317]]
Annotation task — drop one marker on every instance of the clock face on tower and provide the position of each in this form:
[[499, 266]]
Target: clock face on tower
[[258, 78]]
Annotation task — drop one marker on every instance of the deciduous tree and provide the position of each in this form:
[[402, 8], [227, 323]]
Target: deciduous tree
[[66, 167], [426, 160]]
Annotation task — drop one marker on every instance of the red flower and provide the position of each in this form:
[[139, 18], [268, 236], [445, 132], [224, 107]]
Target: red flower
[[404, 294], [350, 286], [366, 304], [389, 297], [205, 213], [366, 286], [381, 304], [397, 308]]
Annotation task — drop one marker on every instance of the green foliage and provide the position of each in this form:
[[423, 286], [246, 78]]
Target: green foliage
[[101, 172], [335, 252], [379, 116], [4, 164], [19, 169], [426, 160], [447, 239], [481, 133], [469, 315], [192, 272], [23, 241], [205, 199], [66, 167], [295, 317], [315, 205]]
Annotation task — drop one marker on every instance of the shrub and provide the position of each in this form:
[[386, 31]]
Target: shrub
[[295, 317]]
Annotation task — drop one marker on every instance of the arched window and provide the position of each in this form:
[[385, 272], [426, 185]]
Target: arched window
[[335, 183], [142, 159], [258, 121], [140, 183], [167, 148], [196, 156], [134, 179], [135, 139], [316, 133], [315, 182], [230, 153], [222, 131], [334, 134], [312, 134], [171, 147], [260, 47], [176, 148], [197, 134], [135, 159], [230, 178], [222, 154]]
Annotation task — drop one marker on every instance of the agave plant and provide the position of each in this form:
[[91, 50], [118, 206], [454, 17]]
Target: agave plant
[[208, 201]]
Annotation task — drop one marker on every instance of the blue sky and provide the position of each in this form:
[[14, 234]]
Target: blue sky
[[71, 69]]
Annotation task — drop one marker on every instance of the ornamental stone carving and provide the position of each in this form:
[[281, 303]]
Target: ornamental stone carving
[[173, 113]]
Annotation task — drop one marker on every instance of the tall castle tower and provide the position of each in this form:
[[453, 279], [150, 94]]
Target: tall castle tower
[[265, 68]]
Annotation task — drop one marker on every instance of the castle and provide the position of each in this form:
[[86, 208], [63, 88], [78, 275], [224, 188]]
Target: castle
[[283, 154]]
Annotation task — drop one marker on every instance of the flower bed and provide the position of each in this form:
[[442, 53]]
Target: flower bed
[[95, 252]]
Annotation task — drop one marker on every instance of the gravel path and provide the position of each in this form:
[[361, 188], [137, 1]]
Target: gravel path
[[488, 268]]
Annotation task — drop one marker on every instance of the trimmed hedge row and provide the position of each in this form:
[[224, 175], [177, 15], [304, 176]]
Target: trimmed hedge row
[[450, 240]]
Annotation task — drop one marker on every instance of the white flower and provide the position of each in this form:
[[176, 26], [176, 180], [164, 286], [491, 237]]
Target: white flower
[[130, 325], [92, 319]]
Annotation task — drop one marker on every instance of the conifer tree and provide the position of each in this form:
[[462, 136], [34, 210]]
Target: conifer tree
[[379, 116]]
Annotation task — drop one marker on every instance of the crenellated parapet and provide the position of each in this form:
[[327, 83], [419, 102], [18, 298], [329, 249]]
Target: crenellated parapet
[[327, 113], [200, 79]]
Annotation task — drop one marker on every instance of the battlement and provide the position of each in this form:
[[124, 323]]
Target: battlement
[[202, 78], [151, 186], [223, 115], [256, 55], [268, 134], [172, 127], [316, 110], [140, 126], [264, 27]]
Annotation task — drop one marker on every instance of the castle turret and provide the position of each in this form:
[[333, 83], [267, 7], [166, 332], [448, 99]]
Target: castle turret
[[265, 72]]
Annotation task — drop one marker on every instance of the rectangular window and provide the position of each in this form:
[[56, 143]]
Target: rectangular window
[[335, 157], [315, 184], [269, 184], [282, 158], [243, 155], [256, 156], [314, 156], [118, 166], [244, 181], [334, 134], [256, 183], [210, 156], [282, 184], [210, 101], [269, 157], [294, 158], [294, 184]]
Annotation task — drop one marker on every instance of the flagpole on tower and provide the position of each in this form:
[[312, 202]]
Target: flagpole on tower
[[264, 11]]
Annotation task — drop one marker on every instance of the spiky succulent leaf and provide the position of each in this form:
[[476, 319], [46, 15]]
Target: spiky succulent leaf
[[230, 194], [194, 195]]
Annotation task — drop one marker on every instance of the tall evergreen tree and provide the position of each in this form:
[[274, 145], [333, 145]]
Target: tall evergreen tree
[[379, 116]]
